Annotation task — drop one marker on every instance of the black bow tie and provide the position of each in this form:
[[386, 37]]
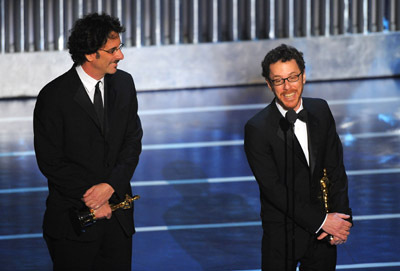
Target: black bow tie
[[302, 115], [291, 116]]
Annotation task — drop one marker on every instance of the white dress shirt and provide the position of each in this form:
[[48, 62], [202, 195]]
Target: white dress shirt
[[90, 83]]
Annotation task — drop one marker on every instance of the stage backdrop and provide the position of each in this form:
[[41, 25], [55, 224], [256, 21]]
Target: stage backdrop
[[215, 64]]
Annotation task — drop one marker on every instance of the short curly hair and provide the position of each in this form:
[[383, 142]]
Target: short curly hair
[[282, 53], [90, 33]]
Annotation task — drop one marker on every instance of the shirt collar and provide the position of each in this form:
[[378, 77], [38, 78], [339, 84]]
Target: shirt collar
[[88, 81]]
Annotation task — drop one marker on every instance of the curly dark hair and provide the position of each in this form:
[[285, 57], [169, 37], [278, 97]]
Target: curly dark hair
[[90, 33], [282, 53]]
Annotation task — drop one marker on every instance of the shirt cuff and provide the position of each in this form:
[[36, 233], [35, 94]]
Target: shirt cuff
[[326, 216]]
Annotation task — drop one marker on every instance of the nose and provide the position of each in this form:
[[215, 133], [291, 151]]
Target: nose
[[286, 84], [119, 54]]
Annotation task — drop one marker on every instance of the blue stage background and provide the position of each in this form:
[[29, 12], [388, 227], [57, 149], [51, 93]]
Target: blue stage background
[[199, 206]]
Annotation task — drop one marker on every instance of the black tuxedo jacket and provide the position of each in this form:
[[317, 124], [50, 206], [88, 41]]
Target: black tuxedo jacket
[[74, 153], [268, 146]]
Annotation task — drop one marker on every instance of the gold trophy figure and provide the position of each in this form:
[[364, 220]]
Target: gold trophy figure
[[82, 219], [324, 188]]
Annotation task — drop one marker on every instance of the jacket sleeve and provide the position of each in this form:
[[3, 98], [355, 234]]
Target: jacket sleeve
[[128, 155], [338, 187]]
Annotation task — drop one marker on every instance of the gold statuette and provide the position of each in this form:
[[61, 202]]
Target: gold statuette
[[126, 204], [82, 219], [324, 188]]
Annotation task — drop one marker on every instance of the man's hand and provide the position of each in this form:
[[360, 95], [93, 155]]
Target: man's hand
[[333, 241], [337, 241], [103, 212], [338, 227], [97, 195]]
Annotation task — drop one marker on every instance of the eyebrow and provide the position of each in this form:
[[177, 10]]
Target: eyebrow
[[292, 73], [111, 48]]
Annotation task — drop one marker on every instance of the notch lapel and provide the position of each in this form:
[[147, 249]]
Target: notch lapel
[[109, 102], [313, 140], [82, 98]]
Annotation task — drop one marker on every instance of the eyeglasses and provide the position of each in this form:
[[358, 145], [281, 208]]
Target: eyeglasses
[[113, 50], [290, 79]]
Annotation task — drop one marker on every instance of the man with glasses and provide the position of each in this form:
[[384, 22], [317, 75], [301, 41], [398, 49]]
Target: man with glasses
[[87, 137], [288, 145]]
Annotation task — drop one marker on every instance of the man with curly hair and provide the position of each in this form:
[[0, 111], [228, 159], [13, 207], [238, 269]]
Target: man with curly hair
[[87, 137], [289, 144]]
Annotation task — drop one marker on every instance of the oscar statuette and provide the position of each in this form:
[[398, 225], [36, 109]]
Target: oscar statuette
[[324, 188], [324, 182], [84, 218]]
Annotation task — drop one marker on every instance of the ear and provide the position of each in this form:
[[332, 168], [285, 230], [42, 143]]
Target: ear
[[304, 77], [91, 57], [269, 84]]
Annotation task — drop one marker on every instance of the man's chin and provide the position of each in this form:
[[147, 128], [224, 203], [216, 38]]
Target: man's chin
[[287, 105], [112, 71]]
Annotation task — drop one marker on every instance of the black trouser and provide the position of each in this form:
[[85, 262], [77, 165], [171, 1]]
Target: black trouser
[[112, 251], [319, 256]]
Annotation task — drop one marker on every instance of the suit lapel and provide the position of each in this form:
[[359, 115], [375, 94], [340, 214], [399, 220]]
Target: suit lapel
[[313, 135], [313, 138], [279, 122], [82, 98], [109, 96]]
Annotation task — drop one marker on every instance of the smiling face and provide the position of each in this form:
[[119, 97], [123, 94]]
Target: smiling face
[[101, 62], [288, 94]]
